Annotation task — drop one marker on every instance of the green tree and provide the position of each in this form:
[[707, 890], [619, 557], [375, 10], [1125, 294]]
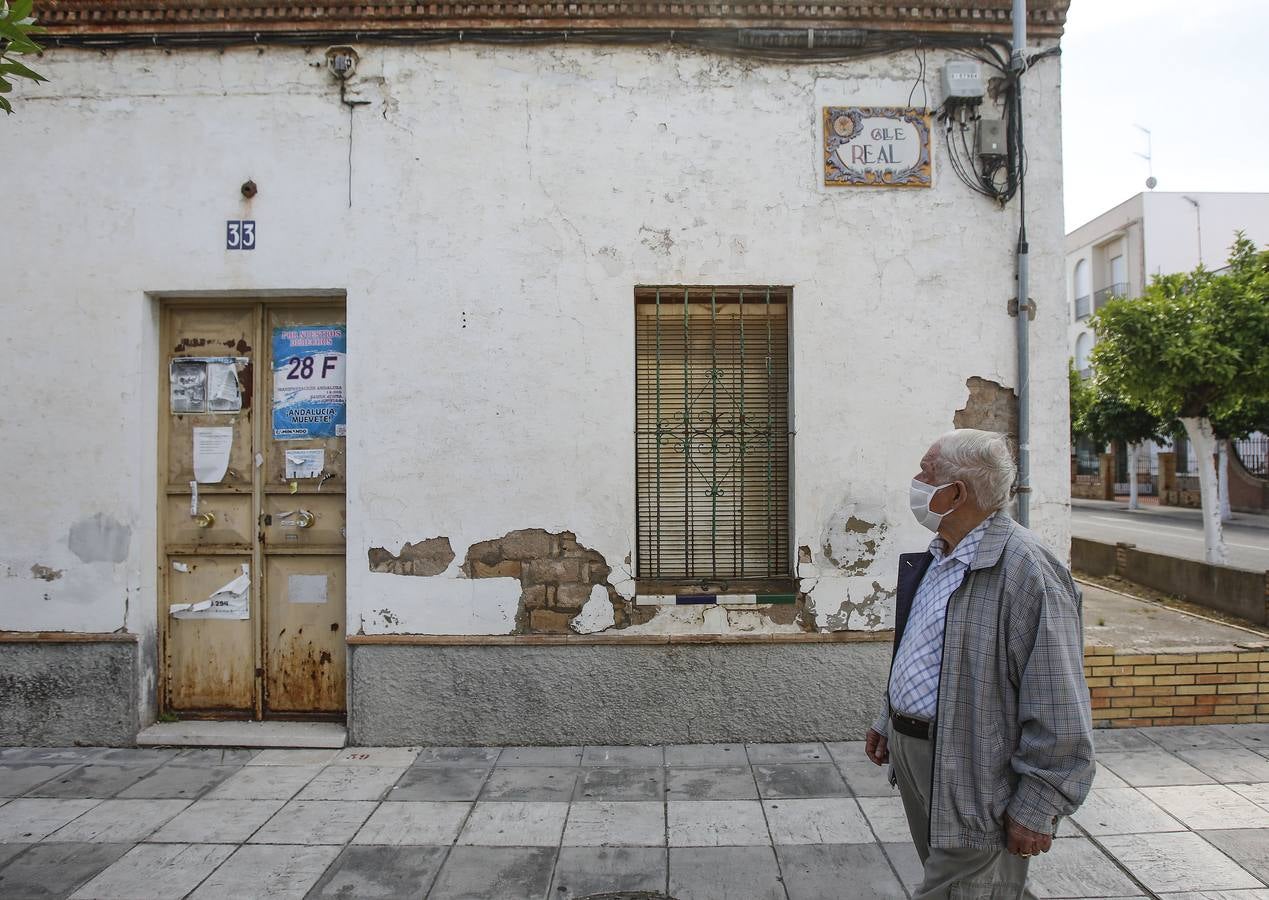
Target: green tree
[[16, 28], [1195, 347], [1109, 419]]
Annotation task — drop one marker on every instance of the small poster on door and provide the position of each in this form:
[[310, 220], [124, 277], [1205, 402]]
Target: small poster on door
[[309, 362], [205, 384]]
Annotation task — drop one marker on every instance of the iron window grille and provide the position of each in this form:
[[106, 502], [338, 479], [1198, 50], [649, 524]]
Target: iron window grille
[[712, 437]]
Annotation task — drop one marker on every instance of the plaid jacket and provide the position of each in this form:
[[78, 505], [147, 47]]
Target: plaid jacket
[[1014, 728]]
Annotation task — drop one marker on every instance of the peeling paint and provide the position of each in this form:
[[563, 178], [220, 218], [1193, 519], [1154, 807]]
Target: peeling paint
[[657, 240], [426, 558], [44, 573], [868, 614], [596, 615], [991, 407], [853, 537]]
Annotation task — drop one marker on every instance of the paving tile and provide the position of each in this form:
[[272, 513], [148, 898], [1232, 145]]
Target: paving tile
[[458, 756], [52, 756], [585, 871], [722, 873], [1075, 867], [314, 822], [274, 872], [864, 777], [711, 783], [1177, 862], [623, 756], [439, 783], [621, 783], [155, 872], [1249, 847], [1253, 894], [211, 821], [817, 871], [1122, 811], [215, 756], [175, 782], [615, 824], [906, 862], [1229, 764], [822, 821], [55, 870], [708, 755], [414, 822], [18, 778], [136, 757], [8, 851], [1109, 740], [540, 756], [502, 824], [119, 821], [846, 751], [351, 783], [29, 820], [264, 783], [1190, 737], [1256, 793], [96, 781], [483, 873], [399, 757], [716, 823], [530, 783], [799, 780], [887, 818], [1255, 736], [1104, 778], [379, 873], [1151, 768], [1209, 806], [303, 756], [787, 753]]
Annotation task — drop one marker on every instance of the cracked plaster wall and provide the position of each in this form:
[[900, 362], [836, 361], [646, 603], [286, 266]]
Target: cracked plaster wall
[[504, 203]]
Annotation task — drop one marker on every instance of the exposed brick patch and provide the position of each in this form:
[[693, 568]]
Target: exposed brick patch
[[991, 407], [1133, 689], [426, 558], [556, 574]]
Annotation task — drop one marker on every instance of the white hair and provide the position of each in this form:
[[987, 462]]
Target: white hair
[[981, 459]]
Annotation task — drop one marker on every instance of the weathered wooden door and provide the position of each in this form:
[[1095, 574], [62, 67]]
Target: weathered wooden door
[[252, 513]]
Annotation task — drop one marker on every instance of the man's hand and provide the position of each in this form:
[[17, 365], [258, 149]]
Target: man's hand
[[876, 746], [1023, 841]]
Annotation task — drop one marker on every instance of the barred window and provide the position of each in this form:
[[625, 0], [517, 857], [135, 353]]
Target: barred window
[[712, 435]]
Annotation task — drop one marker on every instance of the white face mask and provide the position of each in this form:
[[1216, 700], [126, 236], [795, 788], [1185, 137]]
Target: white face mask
[[919, 496]]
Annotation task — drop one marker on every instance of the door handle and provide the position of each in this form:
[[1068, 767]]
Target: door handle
[[205, 520]]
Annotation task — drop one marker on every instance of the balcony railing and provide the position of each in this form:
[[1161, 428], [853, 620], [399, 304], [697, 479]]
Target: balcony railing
[[1106, 294], [1082, 307]]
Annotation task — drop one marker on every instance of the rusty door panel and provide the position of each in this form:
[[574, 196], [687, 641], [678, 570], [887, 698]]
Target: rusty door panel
[[304, 520], [222, 520], [304, 647], [209, 661]]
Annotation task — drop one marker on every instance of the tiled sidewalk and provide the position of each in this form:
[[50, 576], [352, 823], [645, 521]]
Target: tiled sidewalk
[[1176, 813]]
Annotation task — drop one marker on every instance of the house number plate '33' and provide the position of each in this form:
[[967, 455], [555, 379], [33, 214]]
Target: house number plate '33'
[[240, 234]]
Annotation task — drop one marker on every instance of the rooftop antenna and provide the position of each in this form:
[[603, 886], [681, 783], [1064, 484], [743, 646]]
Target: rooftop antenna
[[1151, 181]]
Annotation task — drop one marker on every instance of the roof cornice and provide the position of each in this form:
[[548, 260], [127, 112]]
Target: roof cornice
[[237, 17]]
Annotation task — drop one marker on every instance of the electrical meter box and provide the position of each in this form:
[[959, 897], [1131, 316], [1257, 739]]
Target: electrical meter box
[[991, 137], [962, 80]]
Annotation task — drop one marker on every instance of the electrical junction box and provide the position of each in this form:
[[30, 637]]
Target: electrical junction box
[[991, 137], [962, 80]]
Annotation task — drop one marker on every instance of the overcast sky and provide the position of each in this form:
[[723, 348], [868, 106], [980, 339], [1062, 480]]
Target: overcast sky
[[1195, 72]]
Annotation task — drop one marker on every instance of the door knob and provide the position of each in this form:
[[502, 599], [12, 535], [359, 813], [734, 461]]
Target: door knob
[[305, 519], [205, 520]]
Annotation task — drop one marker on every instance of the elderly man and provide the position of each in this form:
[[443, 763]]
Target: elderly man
[[986, 721]]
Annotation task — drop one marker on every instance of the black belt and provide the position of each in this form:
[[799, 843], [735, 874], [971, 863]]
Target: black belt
[[917, 728]]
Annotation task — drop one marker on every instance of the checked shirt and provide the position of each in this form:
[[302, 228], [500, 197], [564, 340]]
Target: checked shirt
[[914, 683]]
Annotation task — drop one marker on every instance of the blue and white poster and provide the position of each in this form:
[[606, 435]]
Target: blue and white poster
[[309, 362]]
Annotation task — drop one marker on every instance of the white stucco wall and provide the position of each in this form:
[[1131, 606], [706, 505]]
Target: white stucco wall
[[504, 203]]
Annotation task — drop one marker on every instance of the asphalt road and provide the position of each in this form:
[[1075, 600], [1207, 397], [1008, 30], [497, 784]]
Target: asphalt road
[[1174, 532]]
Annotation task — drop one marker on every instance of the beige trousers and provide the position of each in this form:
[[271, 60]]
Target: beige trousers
[[960, 874]]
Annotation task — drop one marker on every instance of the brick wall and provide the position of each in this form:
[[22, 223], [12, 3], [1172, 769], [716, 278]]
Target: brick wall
[[1133, 689]]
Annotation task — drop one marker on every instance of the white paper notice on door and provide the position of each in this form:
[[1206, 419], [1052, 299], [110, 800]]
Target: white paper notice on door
[[211, 453], [306, 588], [305, 463], [233, 601]]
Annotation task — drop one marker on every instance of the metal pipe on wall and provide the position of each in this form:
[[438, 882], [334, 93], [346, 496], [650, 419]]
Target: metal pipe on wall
[[1017, 64]]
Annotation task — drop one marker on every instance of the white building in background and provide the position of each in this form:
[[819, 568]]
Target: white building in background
[[356, 365], [1154, 233]]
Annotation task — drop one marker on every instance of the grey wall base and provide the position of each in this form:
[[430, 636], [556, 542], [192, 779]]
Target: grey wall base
[[613, 694], [65, 694]]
